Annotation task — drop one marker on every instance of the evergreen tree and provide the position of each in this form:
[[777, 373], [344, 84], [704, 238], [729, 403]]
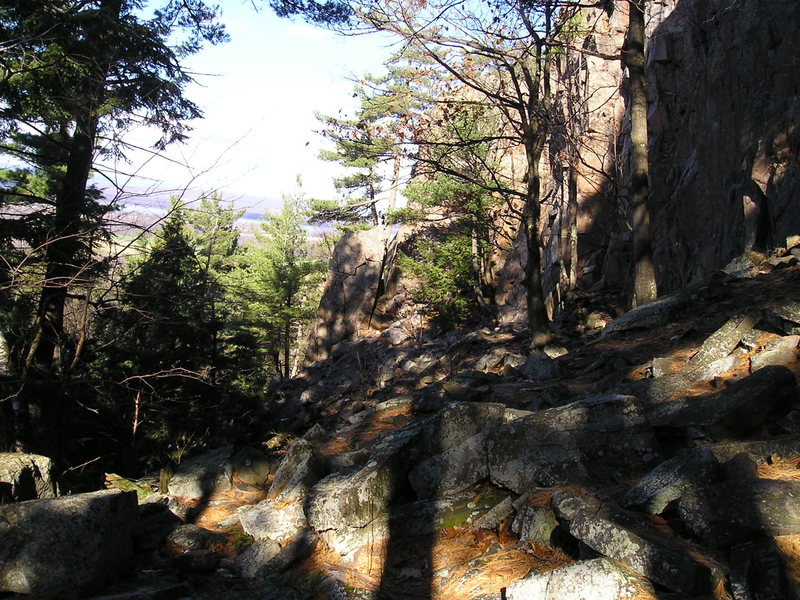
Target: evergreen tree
[[372, 144], [76, 72], [288, 277]]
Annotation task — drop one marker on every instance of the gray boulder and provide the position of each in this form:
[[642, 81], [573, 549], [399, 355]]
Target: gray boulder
[[629, 539], [744, 405], [68, 546], [353, 500], [598, 579], [190, 537], [267, 520], [25, 477], [297, 473], [252, 466], [555, 446], [267, 557], [671, 479], [203, 476], [455, 442], [534, 523], [538, 366], [250, 563], [733, 512], [453, 470]]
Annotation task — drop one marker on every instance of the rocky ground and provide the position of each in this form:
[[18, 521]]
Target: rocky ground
[[652, 455]]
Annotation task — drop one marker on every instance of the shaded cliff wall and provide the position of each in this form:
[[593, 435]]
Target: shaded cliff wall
[[724, 87], [724, 124]]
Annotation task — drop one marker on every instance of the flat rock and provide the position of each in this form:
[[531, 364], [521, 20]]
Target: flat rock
[[68, 546], [733, 512], [629, 539], [652, 314], [722, 342], [598, 579], [659, 389], [758, 450]]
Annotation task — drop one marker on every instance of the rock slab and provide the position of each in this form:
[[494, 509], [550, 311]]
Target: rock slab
[[68, 546]]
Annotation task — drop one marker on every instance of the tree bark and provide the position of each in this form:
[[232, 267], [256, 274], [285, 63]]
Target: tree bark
[[644, 278], [538, 324], [62, 250]]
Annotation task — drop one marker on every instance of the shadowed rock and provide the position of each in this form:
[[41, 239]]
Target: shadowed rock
[[203, 475], [732, 512], [671, 479], [628, 538], [27, 476], [744, 405], [68, 546], [554, 446]]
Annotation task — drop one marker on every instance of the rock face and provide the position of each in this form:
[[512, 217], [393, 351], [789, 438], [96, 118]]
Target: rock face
[[25, 477], [723, 141], [734, 183], [357, 276], [69, 546]]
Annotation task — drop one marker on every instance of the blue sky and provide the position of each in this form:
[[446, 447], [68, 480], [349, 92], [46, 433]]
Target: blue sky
[[259, 93]]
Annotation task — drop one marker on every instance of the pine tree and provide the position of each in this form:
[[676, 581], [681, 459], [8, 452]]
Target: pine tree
[[287, 276]]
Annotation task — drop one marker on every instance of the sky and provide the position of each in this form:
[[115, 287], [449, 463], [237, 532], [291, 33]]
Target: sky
[[259, 93]]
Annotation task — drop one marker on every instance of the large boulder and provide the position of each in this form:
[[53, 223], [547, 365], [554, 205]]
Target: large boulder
[[269, 520], [733, 512], [672, 478], [345, 505], [297, 473], [598, 579], [743, 406], [633, 541], [68, 546], [454, 442], [204, 475], [555, 446], [25, 477]]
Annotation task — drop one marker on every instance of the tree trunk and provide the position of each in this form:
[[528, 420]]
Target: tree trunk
[[572, 223], [644, 278], [538, 325], [62, 250]]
